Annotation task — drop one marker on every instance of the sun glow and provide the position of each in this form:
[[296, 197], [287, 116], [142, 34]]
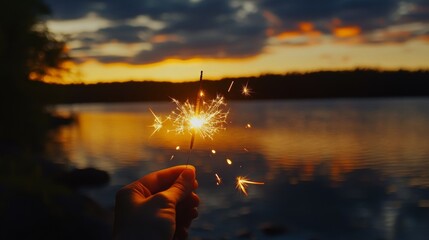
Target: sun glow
[[310, 58]]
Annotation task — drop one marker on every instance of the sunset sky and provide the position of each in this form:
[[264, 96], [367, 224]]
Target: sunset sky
[[172, 40]]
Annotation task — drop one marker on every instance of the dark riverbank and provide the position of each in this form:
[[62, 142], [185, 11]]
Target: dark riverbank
[[360, 83], [40, 199], [36, 203]]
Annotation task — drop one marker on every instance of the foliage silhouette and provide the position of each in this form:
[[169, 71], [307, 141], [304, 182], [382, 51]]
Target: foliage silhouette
[[27, 51]]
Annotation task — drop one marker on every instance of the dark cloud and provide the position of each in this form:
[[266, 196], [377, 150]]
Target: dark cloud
[[120, 10], [233, 28], [210, 45], [359, 10], [63, 9], [200, 17], [417, 10], [210, 29], [301, 10], [368, 14], [109, 59], [122, 33]]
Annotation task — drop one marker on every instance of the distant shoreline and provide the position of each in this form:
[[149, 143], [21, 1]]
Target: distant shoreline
[[360, 83]]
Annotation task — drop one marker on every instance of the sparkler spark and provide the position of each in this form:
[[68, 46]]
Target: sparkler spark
[[178, 148], [248, 125], [229, 161], [230, 86], [246, 91], [218, 179], [242, 184], [213, 151], [157, 124]]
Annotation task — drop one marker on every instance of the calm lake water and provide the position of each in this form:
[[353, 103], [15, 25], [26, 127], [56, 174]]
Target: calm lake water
[[333, 169]]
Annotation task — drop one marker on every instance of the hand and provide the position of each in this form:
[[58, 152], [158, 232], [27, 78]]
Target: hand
[[160, 205]]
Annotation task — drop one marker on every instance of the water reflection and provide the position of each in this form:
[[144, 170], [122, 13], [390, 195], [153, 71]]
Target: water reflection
[[333, 169]]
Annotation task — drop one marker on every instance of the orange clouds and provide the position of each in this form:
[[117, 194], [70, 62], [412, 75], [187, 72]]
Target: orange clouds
[[306, 26], [425, 38], [288, 35], [345, 32], [305, 31]]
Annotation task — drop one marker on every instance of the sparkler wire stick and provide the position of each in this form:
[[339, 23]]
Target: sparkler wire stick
[[197, 112]]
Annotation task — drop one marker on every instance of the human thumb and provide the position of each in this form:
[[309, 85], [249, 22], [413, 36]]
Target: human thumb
[[183, 186]]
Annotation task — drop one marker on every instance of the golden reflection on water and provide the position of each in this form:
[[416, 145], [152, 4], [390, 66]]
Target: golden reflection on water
[[346, 162], [344, 138], [108, 138]]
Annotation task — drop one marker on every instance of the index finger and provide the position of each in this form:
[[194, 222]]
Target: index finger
[[163, 179]]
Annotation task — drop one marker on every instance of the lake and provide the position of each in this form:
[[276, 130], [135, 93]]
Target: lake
[[333, 169]]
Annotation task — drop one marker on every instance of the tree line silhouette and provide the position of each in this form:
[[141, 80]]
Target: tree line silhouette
[[358, 83]]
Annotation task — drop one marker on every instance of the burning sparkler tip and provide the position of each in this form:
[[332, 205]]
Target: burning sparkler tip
[[206, 120]]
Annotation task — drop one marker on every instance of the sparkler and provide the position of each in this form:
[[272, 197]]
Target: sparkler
[[204, 118], [242, 184]]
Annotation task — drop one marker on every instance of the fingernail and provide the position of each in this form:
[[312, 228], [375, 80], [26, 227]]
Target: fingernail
[[188, 174]]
